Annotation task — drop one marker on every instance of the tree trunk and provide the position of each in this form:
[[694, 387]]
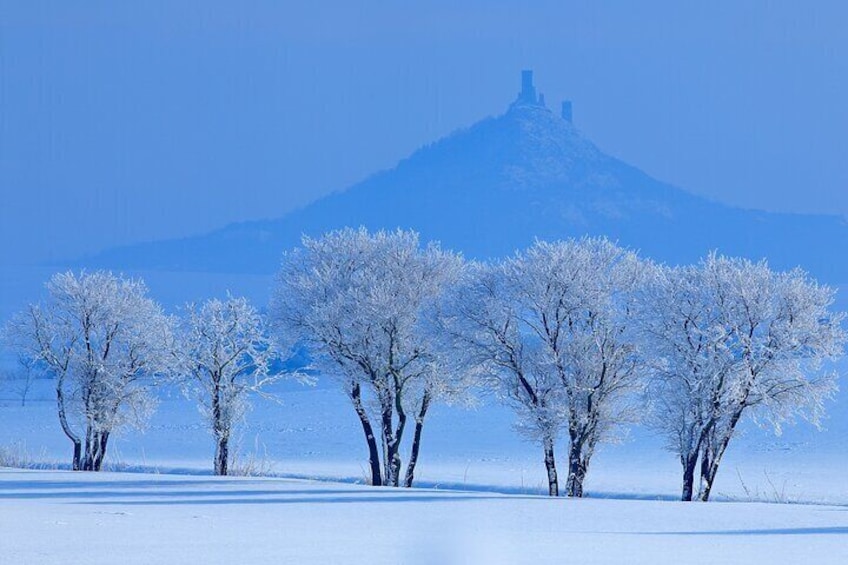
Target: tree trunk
[[88, 456], [76, 464], [706, 465], [712, 452], [222, 455], [550, 465], [77, 461], [416, 440], [709, 468], [689, 463], [220, 427], [95, 450], [577, 467], [373, 452], [392, 439], [391, 457], [101, 453]]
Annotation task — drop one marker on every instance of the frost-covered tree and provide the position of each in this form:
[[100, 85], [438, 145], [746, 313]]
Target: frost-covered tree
[[359, 303], [734, 339], [105, 341], [487, 338], [577, 297], [682, 329], [552, 326], [226, 351]]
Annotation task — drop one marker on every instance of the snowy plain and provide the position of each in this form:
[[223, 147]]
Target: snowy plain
[[479, 498], [62, 517]]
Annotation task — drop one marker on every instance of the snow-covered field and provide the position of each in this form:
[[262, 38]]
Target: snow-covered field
[[313, 433], [480, 503], [62, 517]]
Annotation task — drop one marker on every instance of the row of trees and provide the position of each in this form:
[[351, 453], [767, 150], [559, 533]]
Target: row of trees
[[580, 338], [107, 345]]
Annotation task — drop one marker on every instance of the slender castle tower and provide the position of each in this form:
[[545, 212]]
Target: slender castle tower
[[528, 91]]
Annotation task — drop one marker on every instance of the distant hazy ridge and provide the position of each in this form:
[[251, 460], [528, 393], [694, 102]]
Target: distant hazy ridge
[[494, 187]]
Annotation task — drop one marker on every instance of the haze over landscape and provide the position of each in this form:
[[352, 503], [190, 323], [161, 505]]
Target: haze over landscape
[[192, 144], [134, 123]]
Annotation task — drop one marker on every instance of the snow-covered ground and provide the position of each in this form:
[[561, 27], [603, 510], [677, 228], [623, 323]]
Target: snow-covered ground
[[61, 517], [313, 433]]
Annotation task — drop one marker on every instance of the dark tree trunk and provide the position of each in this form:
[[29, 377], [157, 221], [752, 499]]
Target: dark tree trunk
[[392, 439], [577, 467], [391, 450], [95, 450], [416, 440], [711, 453], [388, 453], [373, 452], [101, 452], [222, 455], [550, 465], [76, 463], [221, 463], [689, 464], [88, 453], [709, 468], [706, 465]]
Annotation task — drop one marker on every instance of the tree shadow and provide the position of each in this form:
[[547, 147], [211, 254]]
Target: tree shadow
[[214, 490], [826, 530], [284, 498], [117, 492], [11, 485]]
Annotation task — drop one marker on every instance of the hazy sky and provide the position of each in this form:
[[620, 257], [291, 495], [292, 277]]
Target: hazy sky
[[122, 123]]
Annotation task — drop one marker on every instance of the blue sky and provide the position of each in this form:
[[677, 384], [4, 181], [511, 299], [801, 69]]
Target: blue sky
[[123, 123]]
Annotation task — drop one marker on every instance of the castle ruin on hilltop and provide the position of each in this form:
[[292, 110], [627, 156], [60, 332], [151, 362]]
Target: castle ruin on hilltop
[[529, 97]]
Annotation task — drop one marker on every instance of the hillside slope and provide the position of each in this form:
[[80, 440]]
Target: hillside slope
[[494, 187]]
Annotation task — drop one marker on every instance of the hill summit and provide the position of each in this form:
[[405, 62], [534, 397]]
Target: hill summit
[[496, 186]]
